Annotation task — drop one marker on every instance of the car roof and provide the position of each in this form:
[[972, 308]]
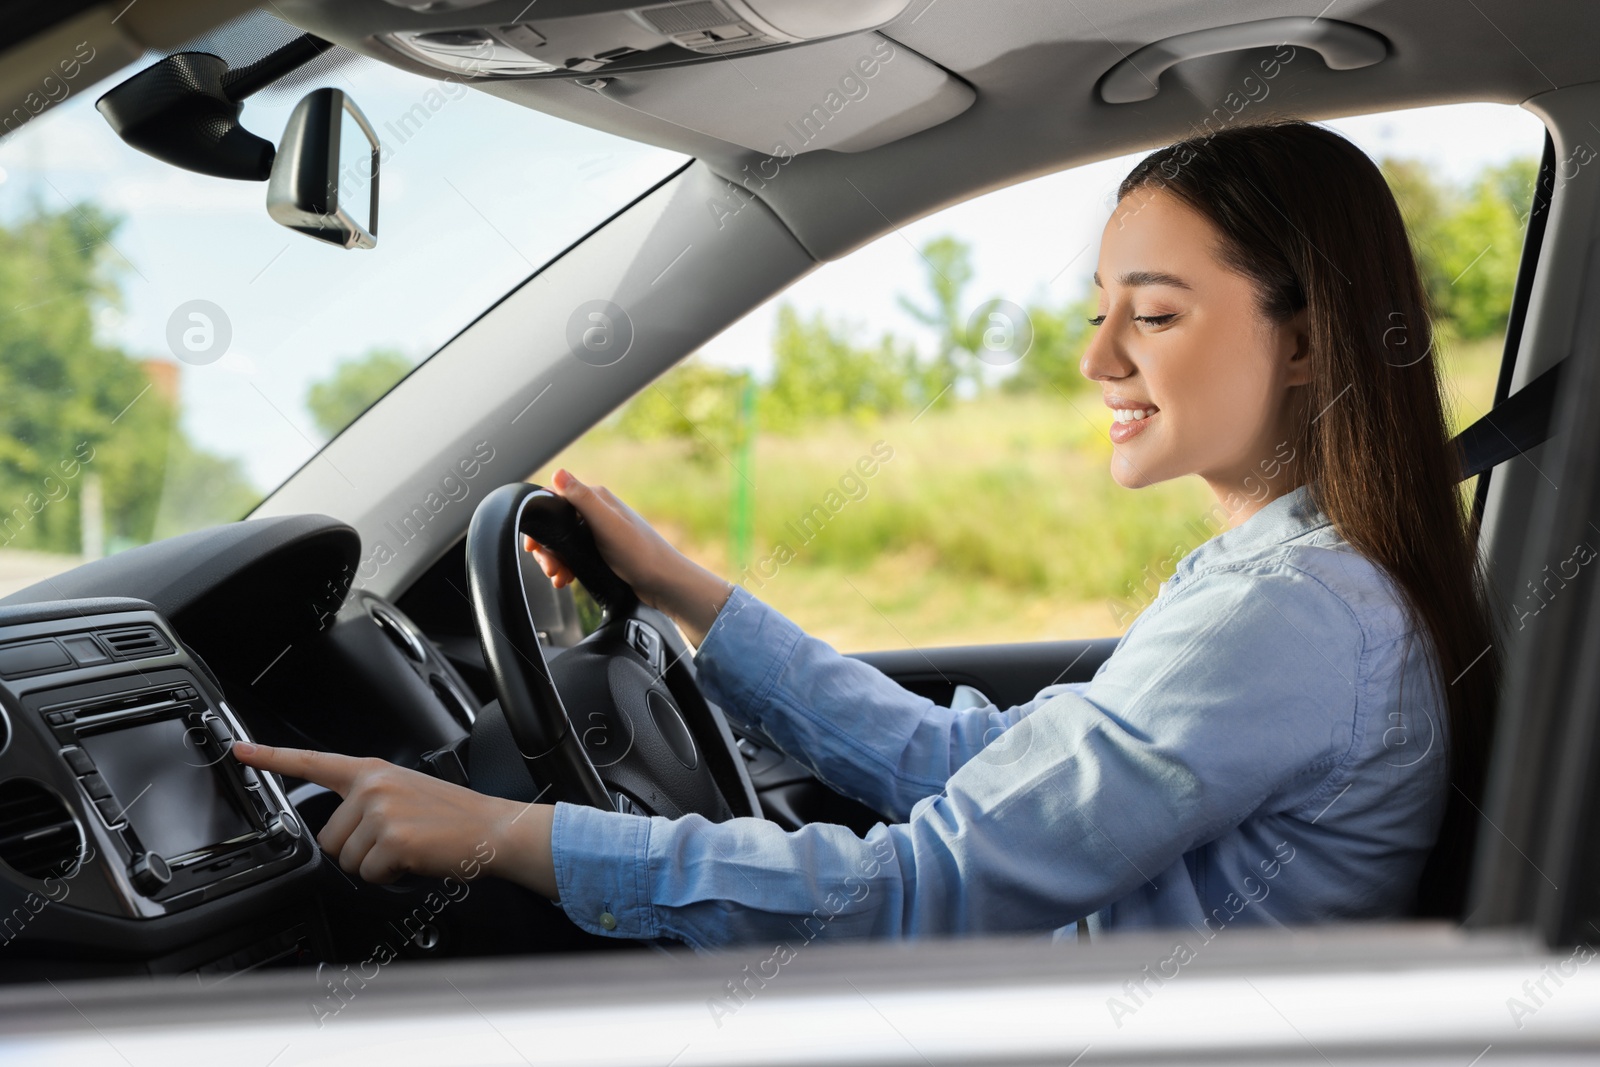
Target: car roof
[[1016, 94]]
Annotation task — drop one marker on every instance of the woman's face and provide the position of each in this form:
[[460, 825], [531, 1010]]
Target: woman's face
[[1182, 340]]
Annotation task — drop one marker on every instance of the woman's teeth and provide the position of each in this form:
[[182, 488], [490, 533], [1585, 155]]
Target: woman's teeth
[[1132, 414]]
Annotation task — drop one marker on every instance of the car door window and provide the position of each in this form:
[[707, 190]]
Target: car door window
[[900, 449]]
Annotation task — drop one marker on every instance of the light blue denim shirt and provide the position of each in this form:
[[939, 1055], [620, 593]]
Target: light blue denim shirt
[[1243, 757]]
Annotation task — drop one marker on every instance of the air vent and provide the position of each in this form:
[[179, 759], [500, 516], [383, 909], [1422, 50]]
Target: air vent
[[135, 642], [38, 835], [454, 702]]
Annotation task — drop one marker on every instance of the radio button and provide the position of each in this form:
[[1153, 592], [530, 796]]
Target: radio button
[[220, 732], [284, 823], [110, 810], [78, 760], [252, 780], [96, 785], [149, 873]]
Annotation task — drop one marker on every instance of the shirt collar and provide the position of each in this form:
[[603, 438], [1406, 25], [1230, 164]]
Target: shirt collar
[[1278, 521]]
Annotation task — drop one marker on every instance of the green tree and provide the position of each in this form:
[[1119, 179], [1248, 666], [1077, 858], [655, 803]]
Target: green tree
[[72, 406], [1482, 243], [949, 263], [1468, 240], [353, 387], [694, 402], [820, 372]]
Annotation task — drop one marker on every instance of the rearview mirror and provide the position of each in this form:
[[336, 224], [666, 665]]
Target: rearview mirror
[[324, 180]]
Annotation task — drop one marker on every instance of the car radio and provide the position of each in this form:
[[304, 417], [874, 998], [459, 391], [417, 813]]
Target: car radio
[[119, 754], [152, 758]]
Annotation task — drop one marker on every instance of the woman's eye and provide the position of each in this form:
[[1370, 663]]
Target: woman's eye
[[1149, 320]]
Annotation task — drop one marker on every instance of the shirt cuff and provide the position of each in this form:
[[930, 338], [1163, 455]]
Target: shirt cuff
[[744, 654], [602, 869]]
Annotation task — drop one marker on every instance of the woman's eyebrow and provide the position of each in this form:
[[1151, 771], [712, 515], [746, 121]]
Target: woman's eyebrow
[[1135, 278]]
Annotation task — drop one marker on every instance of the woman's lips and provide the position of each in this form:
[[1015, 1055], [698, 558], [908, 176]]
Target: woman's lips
[[1127, 431]]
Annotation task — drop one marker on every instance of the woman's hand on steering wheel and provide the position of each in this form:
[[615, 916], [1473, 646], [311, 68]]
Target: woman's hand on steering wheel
[[660, 575]]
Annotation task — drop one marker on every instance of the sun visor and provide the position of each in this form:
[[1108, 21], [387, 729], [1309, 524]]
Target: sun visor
[[849, 94]]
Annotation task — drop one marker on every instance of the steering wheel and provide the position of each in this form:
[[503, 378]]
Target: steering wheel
[[618, 720]]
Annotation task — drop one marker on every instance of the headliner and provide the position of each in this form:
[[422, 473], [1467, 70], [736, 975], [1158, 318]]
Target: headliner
[[1034, 65]]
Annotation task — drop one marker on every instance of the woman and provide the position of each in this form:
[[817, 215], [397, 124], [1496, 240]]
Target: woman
[[1277, 738]]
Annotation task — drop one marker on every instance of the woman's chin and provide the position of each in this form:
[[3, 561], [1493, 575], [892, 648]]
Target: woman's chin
[[1126, 474]]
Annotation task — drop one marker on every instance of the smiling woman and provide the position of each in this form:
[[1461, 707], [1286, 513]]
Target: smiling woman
[[1257, 339], [1247, 717]]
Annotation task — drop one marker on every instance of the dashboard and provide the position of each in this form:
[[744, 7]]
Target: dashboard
[[132, 844], [119, 805]]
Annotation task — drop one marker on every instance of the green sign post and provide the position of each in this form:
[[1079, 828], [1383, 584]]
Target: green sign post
[[741, 520]]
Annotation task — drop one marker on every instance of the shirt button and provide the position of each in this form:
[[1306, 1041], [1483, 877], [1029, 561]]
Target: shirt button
[[608, 921]]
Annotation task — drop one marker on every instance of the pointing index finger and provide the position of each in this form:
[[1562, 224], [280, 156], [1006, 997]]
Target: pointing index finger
[[329, 769]]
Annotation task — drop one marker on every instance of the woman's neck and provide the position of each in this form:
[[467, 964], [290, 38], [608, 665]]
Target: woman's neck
[[1241, 501]]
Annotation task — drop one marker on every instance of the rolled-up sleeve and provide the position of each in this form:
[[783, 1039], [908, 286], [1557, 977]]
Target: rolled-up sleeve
[[1096, 792]]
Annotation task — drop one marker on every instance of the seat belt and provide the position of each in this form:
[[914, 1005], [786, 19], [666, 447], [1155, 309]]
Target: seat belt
[[1516, 424]]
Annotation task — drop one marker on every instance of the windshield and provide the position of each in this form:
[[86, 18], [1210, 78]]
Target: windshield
[[169, 354]]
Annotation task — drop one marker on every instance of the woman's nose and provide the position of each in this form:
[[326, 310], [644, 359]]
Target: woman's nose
[[1103, 358]]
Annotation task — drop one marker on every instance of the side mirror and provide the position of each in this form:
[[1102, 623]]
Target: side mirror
[[324, 180]]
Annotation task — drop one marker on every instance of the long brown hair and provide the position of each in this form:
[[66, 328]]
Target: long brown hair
[[1310, 219]]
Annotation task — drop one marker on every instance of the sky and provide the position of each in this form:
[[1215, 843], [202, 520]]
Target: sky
[[476, 194]]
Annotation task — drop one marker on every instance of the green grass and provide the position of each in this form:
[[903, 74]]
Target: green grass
[[994, 520]]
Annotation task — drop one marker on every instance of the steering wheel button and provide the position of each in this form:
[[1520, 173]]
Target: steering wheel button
[[608, 921], [646, 642]]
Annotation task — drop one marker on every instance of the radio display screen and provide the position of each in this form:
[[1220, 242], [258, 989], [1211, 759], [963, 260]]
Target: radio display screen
[[166, 786]]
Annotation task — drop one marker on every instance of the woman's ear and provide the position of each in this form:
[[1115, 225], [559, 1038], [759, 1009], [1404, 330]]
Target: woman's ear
[[1294, 344]]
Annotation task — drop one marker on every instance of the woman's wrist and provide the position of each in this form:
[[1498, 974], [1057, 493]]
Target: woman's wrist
[[521, 839], [694, 599]]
